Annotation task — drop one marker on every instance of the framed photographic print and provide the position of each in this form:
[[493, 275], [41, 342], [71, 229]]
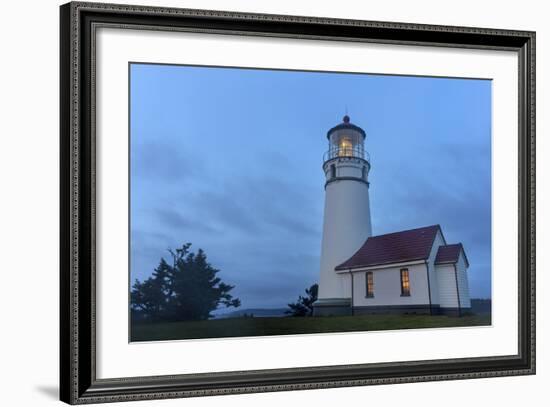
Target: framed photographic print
[[256, 203]]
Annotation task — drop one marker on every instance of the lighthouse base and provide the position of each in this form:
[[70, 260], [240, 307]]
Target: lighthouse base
[[331, 307]]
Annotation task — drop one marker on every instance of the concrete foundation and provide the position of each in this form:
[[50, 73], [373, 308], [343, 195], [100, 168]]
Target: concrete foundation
[[423, 309], [332, 307], [394, 309], [342, 306]]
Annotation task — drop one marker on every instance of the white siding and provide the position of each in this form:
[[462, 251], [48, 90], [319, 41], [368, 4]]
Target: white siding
[[346, 227], [345, 285], [387, 287], [447, 282], [463, 287], [354, 169], [447, 285], [434, 283]]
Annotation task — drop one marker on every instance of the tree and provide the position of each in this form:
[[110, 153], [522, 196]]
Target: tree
[[304, 306], [187, 289]]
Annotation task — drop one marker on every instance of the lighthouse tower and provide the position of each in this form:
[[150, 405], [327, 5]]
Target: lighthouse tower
[[347, 222]]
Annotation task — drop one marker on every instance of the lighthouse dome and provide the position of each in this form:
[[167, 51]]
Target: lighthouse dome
[[346, 125]]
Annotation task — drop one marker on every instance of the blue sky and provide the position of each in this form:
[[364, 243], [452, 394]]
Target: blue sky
[[230, 160]]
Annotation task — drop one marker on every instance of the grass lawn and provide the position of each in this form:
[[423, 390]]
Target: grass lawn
[[257, 326]]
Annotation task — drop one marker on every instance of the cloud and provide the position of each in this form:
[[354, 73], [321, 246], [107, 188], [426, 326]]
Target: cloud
[[180, 224], [258, 205], [277, 281], [163, 162]]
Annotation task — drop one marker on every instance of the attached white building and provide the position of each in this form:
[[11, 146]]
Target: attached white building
[[412, 271]]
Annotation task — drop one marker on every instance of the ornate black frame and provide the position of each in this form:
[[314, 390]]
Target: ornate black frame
[[78, 382]]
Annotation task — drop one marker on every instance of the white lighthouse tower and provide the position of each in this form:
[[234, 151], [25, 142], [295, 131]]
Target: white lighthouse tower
[[347, 222]]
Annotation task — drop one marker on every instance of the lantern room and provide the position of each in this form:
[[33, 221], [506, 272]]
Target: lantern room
[[346, 140]]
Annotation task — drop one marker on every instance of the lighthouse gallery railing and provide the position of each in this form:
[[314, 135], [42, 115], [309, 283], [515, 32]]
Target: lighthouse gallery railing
[[344, 152]]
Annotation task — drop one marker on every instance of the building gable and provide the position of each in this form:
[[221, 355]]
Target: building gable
[[392, 248], [450, 254]]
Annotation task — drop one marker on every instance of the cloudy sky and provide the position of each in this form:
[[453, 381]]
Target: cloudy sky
[[230, 160]]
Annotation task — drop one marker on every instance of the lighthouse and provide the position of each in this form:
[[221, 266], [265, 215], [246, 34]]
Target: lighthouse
[[347, 221]]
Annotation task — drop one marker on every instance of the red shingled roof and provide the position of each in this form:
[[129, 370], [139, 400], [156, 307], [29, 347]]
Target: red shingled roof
[[448, 253], [398, 247]]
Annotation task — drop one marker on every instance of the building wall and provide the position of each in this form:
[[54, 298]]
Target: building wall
[[434, 284], [387, 287], [448, 295], [346, 226], [387, 283], [463, 286], [447, 285], [349, 167]]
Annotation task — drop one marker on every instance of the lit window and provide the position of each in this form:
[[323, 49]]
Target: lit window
[[405, 283], [345, 147], [370, 284]]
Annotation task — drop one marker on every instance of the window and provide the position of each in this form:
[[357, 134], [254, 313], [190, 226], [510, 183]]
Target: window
[[370, 284], [405, 283], [345, 148], [364, 173], [332, 171]]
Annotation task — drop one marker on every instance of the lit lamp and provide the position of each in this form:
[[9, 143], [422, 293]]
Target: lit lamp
[[345, 147]]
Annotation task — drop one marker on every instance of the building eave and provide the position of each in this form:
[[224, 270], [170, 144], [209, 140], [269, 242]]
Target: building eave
[[380, 266], [464, 254]]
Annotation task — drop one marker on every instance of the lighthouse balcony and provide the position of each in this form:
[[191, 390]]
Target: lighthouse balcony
[[346, 152]]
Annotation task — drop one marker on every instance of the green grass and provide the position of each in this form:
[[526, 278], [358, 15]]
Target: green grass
[[231, 327]]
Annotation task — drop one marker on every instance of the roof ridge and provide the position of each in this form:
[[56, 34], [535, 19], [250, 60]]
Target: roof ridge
[[406, 230]]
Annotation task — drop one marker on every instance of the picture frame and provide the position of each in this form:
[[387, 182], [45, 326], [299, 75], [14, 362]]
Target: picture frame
[[79, 382]]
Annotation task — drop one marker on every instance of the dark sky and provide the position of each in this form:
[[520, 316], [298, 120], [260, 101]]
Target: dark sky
[[230, 160]]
